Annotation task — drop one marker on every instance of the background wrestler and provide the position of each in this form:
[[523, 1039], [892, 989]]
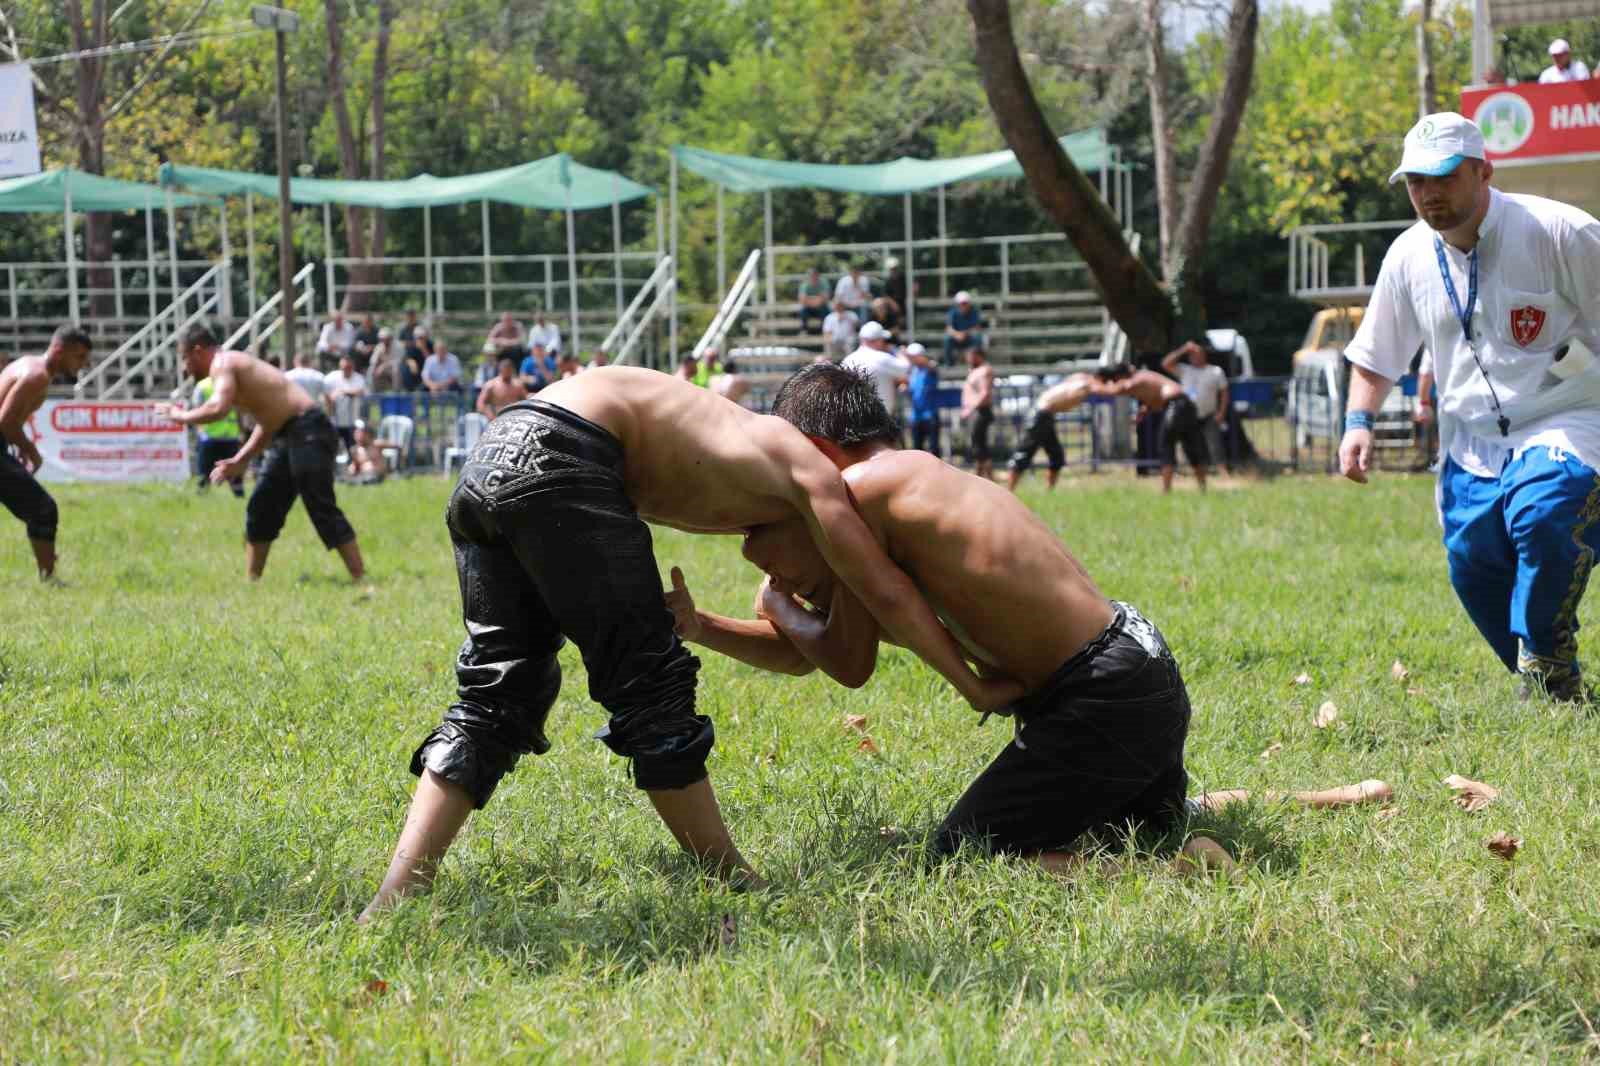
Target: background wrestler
[[24, 384], [1058, 399], [1180, 422], [299, 461], [550, 541], [503, 390]]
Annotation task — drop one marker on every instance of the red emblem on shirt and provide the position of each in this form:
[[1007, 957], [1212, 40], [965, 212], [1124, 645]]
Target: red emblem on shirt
[[1526, 324]]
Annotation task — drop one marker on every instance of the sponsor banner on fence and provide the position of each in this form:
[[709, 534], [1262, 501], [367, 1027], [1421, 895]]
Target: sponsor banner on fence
[[90, 441], [1537, 121], [19, 132]]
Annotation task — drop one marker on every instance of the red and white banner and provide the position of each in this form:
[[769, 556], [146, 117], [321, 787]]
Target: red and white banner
[[93, 441], [1537, 122]]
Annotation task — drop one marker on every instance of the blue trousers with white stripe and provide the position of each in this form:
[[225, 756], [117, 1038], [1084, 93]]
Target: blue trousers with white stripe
[[1520, 547]]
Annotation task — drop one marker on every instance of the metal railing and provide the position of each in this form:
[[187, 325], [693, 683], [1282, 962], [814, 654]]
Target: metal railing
[[624, 337], [496, 282], [305, 281], [1328, 263], [156, 337], [43, 289], [744, 286]]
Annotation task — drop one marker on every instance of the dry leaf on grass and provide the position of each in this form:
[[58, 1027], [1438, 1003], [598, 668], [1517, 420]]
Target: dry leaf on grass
[[1471, 796], [889, 832], [867, 746], [1504, 846], [1186, 583], [1271, 750], [1398, 671], [1388, 812], [1326, 715], [1302, 679], [858, 722], [1416, 691]]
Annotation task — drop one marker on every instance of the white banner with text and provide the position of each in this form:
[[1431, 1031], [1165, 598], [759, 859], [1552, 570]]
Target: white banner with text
[[19, 129], [91, 441]]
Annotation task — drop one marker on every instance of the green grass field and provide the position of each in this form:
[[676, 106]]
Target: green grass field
[[201, 781]]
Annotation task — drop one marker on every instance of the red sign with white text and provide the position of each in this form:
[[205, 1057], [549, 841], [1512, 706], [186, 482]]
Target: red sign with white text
[[1537, 121], [82, 441]]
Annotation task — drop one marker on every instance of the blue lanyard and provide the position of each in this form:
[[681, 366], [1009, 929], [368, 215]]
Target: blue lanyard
[[1464, 317]]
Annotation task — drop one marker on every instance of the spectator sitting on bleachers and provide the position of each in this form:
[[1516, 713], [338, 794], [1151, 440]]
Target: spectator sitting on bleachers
[[854, 290], [417, 349], [539, 369], [599, 358], [839, 331], [337, 337], [886, 313], [961, 328], [383, 372], [507, 337], [813, 302], [544, 334], [502, 390], [441, 371], [408, 328], [569, 365], [896, 289], [366, 340]]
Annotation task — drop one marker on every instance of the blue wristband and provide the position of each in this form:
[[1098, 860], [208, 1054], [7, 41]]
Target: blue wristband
[[1358, 420]]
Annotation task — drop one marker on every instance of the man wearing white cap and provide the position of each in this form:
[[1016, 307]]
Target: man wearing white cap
[[1562, 66], [874, 359], [1504, 292], [961, 327]]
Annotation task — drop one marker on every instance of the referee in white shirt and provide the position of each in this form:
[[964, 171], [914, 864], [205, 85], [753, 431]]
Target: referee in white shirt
[[1504, 291]]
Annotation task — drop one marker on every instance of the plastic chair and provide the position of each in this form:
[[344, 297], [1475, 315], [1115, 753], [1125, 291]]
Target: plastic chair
[[394, 440], [468, 428]]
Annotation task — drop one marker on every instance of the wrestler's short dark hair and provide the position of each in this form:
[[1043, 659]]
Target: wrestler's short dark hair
[[70, 334], [199, 335], [1114, 372], [839, 405]]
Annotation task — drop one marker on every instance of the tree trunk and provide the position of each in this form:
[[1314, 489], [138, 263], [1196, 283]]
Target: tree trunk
[[1426, 94], [365, 239], [380, 82], [91, 137], [1200, 202], [1132, 295], [1161, 138]]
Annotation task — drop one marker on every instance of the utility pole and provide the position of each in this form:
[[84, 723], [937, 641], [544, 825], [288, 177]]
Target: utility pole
[[282, 22]]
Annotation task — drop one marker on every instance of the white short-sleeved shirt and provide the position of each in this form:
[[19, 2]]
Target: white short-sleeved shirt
[[841, 327], [547, 336], [336, 339], [344, 407], [314, 382], [886, 369], [853, 293], [1575, 71], [1538, 288], [1203, 385]]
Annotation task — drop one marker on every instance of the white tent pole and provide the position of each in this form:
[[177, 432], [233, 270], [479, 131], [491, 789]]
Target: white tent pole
[[72, 255], [772, 281], [225, 304], [250, 259], [427, 256], [672, 304], [722, 255], [661, 227], [327, 252], [944, 238], [488, 271], [572, 273], [616, 241], [150, 252], [172, 253], [911, 277]]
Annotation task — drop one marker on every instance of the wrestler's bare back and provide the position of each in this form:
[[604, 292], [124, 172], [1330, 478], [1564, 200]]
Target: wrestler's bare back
[[692, 460], [1153, 390], [1068, 394], [30, 380], [261, 390]]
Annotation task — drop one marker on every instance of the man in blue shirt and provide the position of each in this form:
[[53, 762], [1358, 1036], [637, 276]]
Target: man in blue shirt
[[923, 388], [961, 328], [539, 369]]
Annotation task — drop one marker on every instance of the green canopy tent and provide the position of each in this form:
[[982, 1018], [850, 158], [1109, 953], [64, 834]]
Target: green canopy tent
[[1088, 149], [554, 183], [69, 191]]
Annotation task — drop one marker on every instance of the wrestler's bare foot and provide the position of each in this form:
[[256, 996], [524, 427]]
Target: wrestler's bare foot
[[350, 552], [1202, 855], [439, 809]]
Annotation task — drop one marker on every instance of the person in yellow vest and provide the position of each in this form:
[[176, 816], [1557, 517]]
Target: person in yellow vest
[[219, 440]]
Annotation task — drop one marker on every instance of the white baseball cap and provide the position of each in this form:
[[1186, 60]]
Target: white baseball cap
[[1437, 145], [915, 349], [874, 331], [1559, 46], [963, 297]]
